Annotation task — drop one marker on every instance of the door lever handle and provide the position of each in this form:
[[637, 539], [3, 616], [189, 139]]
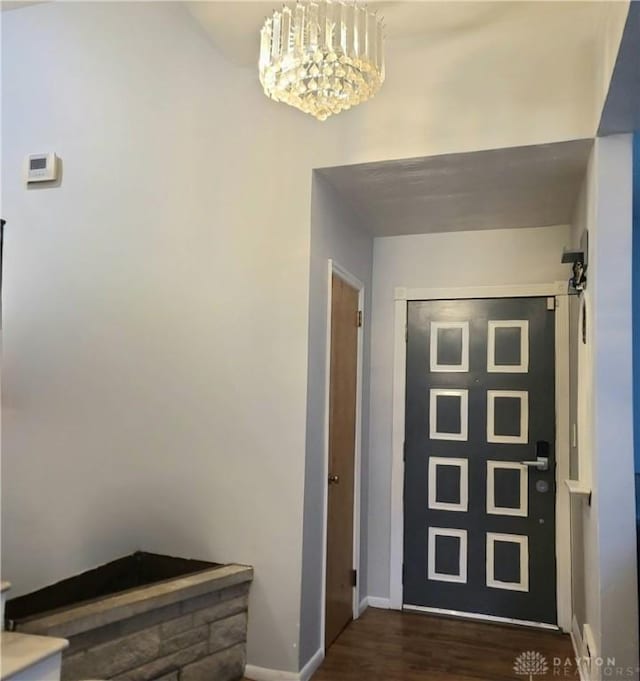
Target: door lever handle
[[541, 463], [334, 479]]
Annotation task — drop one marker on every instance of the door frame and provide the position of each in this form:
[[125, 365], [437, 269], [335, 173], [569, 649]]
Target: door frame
[[335, 269], [557, 290]]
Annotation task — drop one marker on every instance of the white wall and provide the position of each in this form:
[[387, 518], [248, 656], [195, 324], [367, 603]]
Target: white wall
[[155, 307], [606, 434], [337, 232], [495, 257], [156, 302]]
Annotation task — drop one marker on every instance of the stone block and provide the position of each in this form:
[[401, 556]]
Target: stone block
[[200, 602], [176, 626], [95, 637], [226, 665], [165, 665], [220, 610], [109, 659], [234, 591], [227, 632], [184, 640], [74, 667], [173, 676]]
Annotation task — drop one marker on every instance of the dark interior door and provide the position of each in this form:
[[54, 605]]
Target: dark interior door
[[479, 498]]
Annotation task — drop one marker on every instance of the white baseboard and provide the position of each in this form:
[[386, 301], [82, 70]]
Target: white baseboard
[[590, 653], [376, 602], [310, 668], [265, 674], [578, 648], [364, 604]]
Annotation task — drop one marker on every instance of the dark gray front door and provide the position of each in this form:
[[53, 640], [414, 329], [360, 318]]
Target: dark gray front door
[[479, 523]]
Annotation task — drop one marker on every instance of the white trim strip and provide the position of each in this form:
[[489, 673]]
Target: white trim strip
[[434, 434], [463, 367], [461, 577], [397, 463], [478, 616], [523, 367], [379, 603], [470, 292], [563, 501], [523, 542], [265, 674], [463, 465], [523, 396], [522, 510]]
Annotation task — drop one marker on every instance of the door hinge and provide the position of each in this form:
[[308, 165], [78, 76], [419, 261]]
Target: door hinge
[[404, 451], [354, 578], [552, 303], [359, 318]]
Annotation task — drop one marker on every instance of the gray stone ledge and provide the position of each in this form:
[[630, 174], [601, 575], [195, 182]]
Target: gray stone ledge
[[76, 620]]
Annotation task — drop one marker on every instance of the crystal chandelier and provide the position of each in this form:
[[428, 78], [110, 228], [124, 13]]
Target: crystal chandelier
[[322, 57]]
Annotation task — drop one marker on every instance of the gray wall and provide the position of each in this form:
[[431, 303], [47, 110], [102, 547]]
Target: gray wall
[[606, 435], [337, 232]]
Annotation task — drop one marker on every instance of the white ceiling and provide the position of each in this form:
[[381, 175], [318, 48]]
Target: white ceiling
[[234, 26], [532, 186]]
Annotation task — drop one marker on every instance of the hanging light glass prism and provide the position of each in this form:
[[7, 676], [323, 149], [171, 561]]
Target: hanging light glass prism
[[322, 57]]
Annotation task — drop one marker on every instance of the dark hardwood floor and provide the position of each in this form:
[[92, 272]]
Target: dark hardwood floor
[[392, 646]]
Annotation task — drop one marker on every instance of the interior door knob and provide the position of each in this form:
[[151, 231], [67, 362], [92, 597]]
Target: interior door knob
[[334, 479]]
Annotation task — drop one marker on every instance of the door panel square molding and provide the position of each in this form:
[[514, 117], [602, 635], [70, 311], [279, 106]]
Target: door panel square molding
[[432, 573], [462, 400], [449, 350], [523, 488], [436, 462], [522, 542], [520, 434], [508, 346]]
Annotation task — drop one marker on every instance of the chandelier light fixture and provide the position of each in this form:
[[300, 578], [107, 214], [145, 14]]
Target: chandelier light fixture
[[322, 57]]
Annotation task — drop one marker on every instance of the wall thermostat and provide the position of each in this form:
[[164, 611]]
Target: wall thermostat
[[41, 168]]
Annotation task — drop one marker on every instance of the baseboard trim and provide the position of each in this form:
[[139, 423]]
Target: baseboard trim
[[364, 604], [310, 668], [265, 674], [578, 648], [590, 654], [382, 603]]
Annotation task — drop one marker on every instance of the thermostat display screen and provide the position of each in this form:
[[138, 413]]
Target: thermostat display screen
[[38, 163]]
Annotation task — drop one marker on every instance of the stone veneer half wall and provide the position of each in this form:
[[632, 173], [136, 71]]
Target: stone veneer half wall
[[192, 628]]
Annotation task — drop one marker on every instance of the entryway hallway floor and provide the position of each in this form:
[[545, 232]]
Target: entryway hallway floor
[[385, 645]]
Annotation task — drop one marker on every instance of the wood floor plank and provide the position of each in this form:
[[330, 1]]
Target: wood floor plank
[[392, 646]]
